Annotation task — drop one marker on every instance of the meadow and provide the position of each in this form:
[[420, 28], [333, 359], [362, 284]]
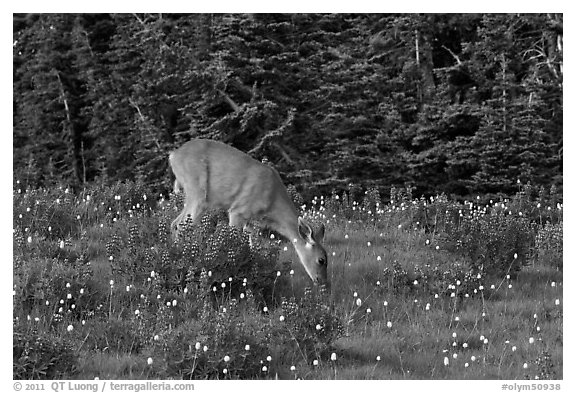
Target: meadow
[[420, 288]]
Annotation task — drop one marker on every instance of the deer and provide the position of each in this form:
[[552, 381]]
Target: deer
[[215, 175]]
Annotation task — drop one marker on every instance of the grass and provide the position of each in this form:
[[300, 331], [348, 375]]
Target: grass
[[99, 280]]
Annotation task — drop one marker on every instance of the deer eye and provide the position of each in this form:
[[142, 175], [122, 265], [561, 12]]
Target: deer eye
[[322, 261]]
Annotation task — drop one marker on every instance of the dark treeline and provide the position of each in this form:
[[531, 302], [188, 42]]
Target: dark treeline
[[464, 104]]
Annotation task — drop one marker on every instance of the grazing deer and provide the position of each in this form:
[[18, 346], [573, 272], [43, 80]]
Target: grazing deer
[[217, 176]]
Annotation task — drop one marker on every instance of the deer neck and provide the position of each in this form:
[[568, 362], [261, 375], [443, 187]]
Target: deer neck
[[285, 222]]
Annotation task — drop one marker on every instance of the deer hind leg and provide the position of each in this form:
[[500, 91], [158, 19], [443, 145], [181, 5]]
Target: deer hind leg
[[193, 208]]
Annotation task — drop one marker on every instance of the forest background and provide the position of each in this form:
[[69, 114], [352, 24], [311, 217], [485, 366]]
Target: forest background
[[462, 104]]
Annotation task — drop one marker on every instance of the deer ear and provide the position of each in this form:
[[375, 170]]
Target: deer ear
[[319, 234], [305, 230]]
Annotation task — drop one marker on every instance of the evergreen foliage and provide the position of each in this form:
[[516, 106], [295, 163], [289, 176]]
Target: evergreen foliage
[[462, 103]]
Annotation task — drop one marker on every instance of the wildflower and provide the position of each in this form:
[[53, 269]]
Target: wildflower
[[455, 356], [378, 258], [346, 236], [358, 302], [492, 286], [29, 239], [264, 368], [458, 282], [277, 274], [457, 319], [247, 347], [265, 309], [466, 365], [69, 296], [242, 296], [553, 284], [62, 244], [156, 337], [223, 285], [531, 340], [415, 282], [473, 358], [557, 302], [205, 348], [378, 283], [485, 341], [446, 361], [389, 324], [318, 327], [525, 365], [481, 287], [315, 362], [174, 303], [150, 361], [70, 328], [368, 310], [226, 358], [269, 358], [137, 312], [465, 345], [333, 357], [437, 247], [185, 290], [454, 335], [514, 348], [281, 318], [385, 303], [197, 346], [225, 371], [293, 368], [427, 306], [152, 274], [291, 272], [355, 294], [111, 283]]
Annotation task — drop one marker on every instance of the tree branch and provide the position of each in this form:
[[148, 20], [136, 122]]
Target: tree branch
[[453, 54]]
